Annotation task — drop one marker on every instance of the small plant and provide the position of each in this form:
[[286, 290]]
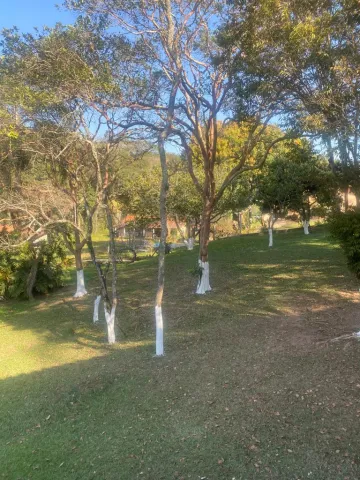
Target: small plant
[[197, 271]]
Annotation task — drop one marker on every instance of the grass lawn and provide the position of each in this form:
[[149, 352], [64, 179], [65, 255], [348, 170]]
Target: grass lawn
[[251, 387]]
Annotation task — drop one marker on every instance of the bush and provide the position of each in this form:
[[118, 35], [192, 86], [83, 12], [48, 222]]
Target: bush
[[345, 228], [16, 263]]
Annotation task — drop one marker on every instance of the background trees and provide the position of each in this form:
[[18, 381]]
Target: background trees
[[181, 81], [345, 228], [309, 54], [298, 180], [159, 73]]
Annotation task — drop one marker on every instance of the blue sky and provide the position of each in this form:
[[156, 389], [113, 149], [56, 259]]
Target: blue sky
[[27, 14]]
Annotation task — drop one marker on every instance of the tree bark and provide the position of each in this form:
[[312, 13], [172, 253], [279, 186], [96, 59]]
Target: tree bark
[[330, 150], [306, 227], [96, 309], [270, 237], [204, 279], [80, 280], [110, 306], [189, 241], [161, 259], [271, 223], [32, 277], [110, 322]]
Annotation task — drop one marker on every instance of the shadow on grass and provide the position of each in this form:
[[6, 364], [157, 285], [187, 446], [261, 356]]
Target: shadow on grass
[[260, 399], [248, 279]]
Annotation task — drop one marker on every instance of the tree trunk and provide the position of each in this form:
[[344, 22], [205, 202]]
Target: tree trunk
[[32, 278], [80, 284], [306, 225], [190, 243], [161, 259], [190, 236], [345, 163], [204, 278], [270, 237], [96, 309], [110, 322], [248, 219], [331, 159], [240, 223], [110, 306], [80, 281], [346, 199]]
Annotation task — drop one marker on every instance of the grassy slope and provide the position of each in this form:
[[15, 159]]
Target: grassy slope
[[251, 386]]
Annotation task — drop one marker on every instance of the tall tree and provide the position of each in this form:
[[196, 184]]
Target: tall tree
[[310, 53], [61, 75], [178, 73], [298, 180]]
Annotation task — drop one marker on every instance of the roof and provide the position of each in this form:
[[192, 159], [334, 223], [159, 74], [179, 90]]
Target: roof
[[4, 228]]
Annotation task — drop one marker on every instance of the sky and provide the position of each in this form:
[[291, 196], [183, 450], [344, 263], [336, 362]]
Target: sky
[[27, 14]]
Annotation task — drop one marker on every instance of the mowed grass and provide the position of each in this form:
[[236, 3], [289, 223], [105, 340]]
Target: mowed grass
[[252, 385]]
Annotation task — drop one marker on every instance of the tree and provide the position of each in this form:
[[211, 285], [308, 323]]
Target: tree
[[296, 179], [309, 53], [137, 191], [274, 190], [184, 201], [317, 189], [32, 268], [183, 85], [345, 228], [35, 213], [60, 77]]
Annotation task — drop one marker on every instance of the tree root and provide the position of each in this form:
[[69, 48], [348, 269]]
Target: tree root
[[347, 336]]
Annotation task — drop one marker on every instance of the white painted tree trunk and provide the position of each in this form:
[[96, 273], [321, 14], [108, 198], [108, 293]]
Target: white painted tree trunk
[[80, 284], [306, 227], [190, 243], [96, 308], [204, 281], [270, 237], [159, 331], [110, 322]]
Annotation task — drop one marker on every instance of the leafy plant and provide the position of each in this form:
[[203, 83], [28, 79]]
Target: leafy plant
[[16, 265], [197, 271], [345, 228]]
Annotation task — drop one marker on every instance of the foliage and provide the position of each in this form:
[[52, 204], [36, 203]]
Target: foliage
[[297, 180], [137, 193], [196, 271], [345, 228], [16, 263], [309, 54]]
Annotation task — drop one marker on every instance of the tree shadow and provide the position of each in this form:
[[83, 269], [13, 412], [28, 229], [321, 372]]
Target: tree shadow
[[249, 281], [269, 392]]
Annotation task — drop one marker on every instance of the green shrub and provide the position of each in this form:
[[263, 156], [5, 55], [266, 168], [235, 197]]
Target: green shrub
[[345, 228], [16, 263]]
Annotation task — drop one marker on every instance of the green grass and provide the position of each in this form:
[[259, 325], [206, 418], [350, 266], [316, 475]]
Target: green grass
[[251, 387]]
